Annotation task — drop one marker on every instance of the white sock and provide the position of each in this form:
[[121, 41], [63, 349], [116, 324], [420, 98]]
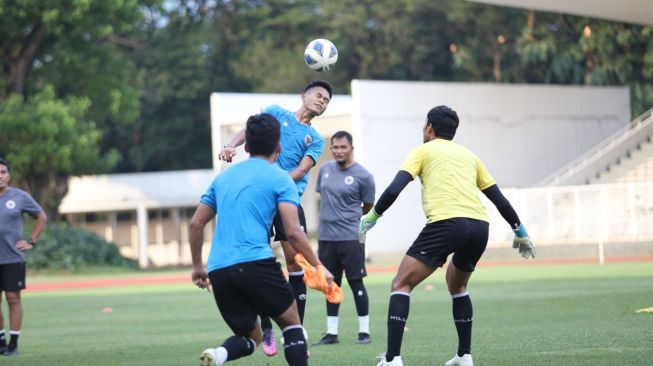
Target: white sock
[[14, 332], [332, 325], [364, 324], [221, 355]]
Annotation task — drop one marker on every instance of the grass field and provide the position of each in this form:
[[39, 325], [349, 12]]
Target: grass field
[[523, 315]]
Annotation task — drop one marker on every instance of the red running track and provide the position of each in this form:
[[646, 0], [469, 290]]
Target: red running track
[[185, 278]]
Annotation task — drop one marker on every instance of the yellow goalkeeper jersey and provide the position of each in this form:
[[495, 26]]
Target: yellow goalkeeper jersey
[[451, 176]]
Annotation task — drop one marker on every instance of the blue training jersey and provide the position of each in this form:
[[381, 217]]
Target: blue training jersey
[[245, 198], [297, 140]]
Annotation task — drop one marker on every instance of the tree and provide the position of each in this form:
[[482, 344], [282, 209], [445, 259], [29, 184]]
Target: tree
[[46, 140], [68, 80], [565, 49]]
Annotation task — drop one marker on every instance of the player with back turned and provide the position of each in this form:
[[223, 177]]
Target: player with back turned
[[247, 280], [457, 222], [301, 147]]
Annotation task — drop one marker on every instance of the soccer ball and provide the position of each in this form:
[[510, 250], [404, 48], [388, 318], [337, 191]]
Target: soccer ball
[[320, 54]]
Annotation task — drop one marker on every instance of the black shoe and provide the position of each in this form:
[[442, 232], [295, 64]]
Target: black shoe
[[3, 349], [11, 351], [364, 338], [328, 339]]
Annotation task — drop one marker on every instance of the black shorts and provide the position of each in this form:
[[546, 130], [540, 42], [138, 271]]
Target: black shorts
[[12, 277], [464, 237], [277, 225], [245, 290], [337, 256]]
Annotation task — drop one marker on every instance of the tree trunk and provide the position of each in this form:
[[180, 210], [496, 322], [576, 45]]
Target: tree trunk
[[17, 64], [48, 191]]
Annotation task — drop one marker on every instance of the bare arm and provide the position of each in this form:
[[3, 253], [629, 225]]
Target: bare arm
[[295, 234], [41, 219], [202, 216], [39, 225], [302, 169], [238, 139], [229, 150]]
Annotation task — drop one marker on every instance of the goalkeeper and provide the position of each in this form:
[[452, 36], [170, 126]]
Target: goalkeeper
[[457, 223]]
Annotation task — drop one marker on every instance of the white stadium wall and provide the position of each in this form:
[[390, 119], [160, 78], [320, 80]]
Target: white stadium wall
[[521, 132]]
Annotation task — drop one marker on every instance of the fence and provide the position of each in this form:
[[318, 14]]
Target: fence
[[602, 219]]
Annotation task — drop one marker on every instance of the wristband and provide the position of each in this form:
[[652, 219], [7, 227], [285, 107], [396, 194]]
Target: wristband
[[31, 242], [372, 215], [521, 232]]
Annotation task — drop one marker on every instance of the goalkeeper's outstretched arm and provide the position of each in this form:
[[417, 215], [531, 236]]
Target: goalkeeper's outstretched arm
[[493, 193], [391, 193], [386, 200], [522, 241]]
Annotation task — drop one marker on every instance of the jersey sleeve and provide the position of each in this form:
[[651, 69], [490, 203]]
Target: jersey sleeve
[[209, 198], [414, 162], [368, 189], [483, 177], [287, 190], [30, 206], [316, 148]]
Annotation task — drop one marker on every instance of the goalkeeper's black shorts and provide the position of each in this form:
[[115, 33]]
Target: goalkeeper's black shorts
[[464, 237]]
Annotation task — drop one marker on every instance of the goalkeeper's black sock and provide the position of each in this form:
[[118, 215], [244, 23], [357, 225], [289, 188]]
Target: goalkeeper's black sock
[[3, 341], [397, 317], [296, 280], [294, 346], [13, 339], [238, 346], [266, 323], [462, 317]]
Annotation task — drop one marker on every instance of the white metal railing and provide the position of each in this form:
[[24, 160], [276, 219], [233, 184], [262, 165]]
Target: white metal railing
[[597, 158], [578, 215]]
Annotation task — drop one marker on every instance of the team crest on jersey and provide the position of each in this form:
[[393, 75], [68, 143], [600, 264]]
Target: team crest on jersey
[[349, 180], [285, 124], [308, 140], [10, 204]]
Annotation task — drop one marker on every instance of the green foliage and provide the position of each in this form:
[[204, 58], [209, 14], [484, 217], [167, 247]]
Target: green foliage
[[147, 67], [83, 49], [47, 139], [62, 247], [574, 50]]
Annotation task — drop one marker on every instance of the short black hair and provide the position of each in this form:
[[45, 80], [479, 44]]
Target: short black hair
[[262, 134], [5, 163], [321, 83], [341, 134], [444, 121]]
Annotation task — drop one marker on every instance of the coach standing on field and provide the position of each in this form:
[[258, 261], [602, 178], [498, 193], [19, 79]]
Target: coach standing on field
[[13, 203], [346, 192]]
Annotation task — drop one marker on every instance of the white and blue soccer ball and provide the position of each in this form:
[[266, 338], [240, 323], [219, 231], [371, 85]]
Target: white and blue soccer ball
[[320, 55]]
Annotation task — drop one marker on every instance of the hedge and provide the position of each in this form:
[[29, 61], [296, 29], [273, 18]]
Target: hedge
[[62, 246]]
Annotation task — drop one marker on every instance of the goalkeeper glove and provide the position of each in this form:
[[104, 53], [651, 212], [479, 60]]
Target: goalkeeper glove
[[523, 243], [367, 222]]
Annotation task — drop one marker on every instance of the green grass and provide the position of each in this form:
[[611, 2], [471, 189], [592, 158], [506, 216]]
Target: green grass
[[523, 315]]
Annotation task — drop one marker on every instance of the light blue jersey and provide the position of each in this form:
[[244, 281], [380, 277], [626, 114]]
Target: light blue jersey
[[245, 198], [297, 140]]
